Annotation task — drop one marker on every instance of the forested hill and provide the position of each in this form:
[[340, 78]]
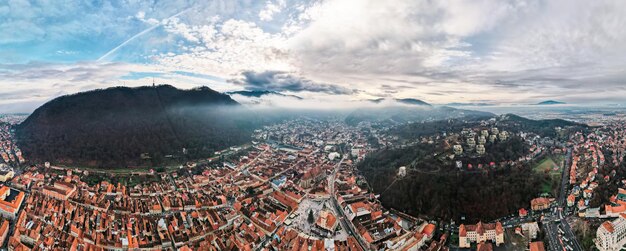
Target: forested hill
[[411, 113], [543, 127], [123, 126], [435, 187]]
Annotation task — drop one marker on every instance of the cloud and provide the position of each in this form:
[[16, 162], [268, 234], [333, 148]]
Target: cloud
[[441, 51], [225, 47], [283, 81], [23, 87], [271, 8]]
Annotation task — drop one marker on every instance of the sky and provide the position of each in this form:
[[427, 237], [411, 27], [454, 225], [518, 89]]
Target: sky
[[328, 52]]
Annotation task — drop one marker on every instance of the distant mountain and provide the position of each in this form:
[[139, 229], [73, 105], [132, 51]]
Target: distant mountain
[[412, 101], [550, 102], [123, 126], [258, 94], [376, 100]]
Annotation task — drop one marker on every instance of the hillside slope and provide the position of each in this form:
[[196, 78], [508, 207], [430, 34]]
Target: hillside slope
[[123, 126], [435, 187]]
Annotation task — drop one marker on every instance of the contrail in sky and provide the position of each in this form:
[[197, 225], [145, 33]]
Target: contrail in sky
[[138, 35]]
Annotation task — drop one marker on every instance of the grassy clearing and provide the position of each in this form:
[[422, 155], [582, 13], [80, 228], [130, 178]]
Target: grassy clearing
[[550, 166]]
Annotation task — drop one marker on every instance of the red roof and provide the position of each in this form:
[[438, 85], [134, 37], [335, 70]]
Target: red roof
[[429, 229], [537, 246]]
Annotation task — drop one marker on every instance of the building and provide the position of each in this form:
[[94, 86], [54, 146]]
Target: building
[[522, 212], [611, 235], [484, 246], [334, 155], [61, 190], [429, 230], [480, 233], [531, 229], [480, 149], [484, 133], [482, 140], [402, 171], [503, 136], [6, 174], [571, 200], [458, 149], [4, 231], [494, 130], [537, 246], [413, 243], [471, 142], [10, 205], [357, 209], [311, 177], [327, 221], [538, 204]]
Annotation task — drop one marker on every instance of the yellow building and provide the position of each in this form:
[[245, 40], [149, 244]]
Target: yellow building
[[6, 175]]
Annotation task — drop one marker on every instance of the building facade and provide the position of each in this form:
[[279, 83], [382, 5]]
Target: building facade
[[481, 232], [611, 235]]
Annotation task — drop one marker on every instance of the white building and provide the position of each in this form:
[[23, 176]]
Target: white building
[[482, 140], [531, 229], [458, 149], [356, 210], [484, 133], [481, 232], [402, 171], [471, 142], [480, 149], [333, 155], [503, 135], [611, 235]]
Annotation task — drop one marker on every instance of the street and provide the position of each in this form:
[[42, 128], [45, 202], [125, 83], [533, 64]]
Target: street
[[559, 233], [345, 224]]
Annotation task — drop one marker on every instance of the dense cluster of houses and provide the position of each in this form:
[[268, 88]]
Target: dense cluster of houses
[[251, 203], [10, 154]]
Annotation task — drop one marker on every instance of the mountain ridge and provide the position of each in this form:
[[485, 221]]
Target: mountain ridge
[[551, 102], [115, 126]]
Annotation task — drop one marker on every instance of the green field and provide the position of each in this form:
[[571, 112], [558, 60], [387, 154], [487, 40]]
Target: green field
[[550, 166]]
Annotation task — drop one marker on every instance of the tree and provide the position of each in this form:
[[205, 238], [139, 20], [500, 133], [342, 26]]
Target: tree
[[310, 218]]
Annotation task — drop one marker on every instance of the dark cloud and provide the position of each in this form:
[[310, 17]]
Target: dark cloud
[[436, 93], [282, 81]]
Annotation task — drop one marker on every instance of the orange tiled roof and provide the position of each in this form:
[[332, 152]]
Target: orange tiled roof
[[537, 246], [608, 226], [429, 229]]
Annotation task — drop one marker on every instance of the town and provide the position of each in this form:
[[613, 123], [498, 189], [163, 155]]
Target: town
[[296, 187]]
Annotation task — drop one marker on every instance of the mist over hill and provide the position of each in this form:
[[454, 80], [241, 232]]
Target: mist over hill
[[410, 113], [157, 125]]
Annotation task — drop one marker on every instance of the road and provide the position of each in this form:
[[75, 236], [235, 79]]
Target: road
[[345, 224], [565, 179], [556, 227]]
